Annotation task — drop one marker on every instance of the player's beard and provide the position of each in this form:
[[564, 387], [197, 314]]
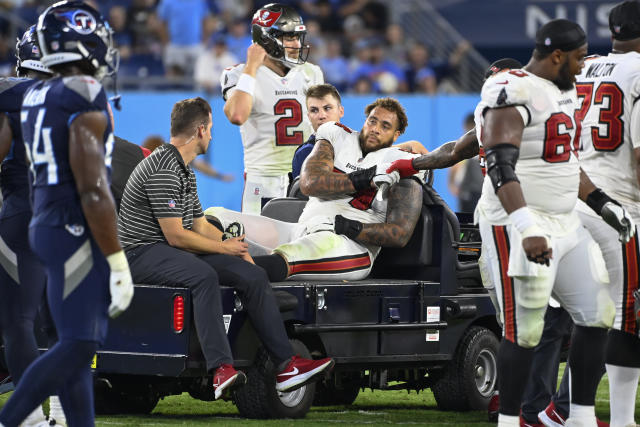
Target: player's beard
[[362, 139], [564, 81]]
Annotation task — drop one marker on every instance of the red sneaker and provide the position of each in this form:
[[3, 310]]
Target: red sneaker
[[601, 423], [226, 376], [494, 408], [524, 423], [550, 416], [301, 371]]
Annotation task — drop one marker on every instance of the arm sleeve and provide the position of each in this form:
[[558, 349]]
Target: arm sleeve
[[163, 192], [229, 80]]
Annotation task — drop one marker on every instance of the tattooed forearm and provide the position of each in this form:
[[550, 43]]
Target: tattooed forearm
[[318, 178], [449, 153], [403, 210]]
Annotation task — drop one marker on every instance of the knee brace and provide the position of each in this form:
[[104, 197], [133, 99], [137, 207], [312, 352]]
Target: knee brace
[[622, 349]]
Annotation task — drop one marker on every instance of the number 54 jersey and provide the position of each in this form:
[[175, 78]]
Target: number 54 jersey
[[48, 109], [547, 166], [608, 91], [278, 122]]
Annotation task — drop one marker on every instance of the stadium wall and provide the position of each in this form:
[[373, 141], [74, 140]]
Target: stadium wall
[[432, 121]]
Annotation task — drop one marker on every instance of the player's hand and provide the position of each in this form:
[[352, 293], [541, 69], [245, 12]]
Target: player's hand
[[236, 246], [404, 167], [383, 182], [618, 217], [120, 284], [537, 249], [255, 57]]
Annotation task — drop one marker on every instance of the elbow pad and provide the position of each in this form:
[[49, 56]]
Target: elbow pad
[[501, 163]]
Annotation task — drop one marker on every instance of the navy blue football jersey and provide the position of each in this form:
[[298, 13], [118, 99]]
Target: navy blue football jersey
[[48, 109], [14, 172]]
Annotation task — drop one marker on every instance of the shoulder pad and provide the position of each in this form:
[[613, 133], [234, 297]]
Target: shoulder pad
[[333, 132], [312, 73], [229, 78], [507, 88], [9, 83], [85, 86]]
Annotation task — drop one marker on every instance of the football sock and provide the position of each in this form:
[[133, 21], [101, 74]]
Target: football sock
[[68, 362], [508, 420], [582, 415], [55, 410], [586, 357], [274, 265], [514, 364], [623, 383]]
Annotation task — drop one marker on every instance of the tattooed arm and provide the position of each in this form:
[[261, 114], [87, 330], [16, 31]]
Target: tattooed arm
[[403, 210], [450, 153], [318, 178]]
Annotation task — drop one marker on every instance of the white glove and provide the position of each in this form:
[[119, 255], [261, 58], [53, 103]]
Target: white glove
[[384, 181], [120, 284], [618, 217]]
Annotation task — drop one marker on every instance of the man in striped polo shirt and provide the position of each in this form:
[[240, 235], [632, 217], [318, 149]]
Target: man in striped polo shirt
[[168, 241]]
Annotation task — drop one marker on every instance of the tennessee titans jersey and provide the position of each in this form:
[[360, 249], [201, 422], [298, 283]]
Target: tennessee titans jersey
[[48, 109], [14, 172]]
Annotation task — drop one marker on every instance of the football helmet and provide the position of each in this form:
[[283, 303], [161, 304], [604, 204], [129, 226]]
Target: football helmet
[[28, 54], [72, 31], [274, 21]]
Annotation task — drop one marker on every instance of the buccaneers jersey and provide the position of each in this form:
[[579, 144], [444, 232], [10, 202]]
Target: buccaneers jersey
[[608, 89], [48, 109], [278, 122], [348, 157], [547, 166]]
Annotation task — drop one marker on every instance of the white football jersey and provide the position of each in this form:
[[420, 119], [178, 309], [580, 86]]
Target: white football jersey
[[364, 206], [278, 121], [608, 89], [547, 166]]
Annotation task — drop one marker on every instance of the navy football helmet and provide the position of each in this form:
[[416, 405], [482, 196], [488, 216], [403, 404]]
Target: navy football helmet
[[72, 31], [28, 54], [274, 21]]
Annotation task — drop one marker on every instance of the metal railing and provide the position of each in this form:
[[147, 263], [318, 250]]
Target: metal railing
[[424, 24]]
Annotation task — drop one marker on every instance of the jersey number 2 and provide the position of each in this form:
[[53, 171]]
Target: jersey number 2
[[293, 118]]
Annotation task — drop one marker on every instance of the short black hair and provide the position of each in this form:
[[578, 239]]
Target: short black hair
[[392, 105], [189, 113]]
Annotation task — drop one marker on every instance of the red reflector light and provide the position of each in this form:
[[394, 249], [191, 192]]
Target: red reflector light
[[178, 313]]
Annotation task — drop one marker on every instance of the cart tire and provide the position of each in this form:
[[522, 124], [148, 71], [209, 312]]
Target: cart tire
[[470, 379], [258, 398]]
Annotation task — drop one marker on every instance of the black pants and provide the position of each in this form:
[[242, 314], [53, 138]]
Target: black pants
[[544, 366], [161, 264]]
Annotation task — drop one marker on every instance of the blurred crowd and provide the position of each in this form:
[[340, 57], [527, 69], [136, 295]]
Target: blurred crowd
[[169, 43]]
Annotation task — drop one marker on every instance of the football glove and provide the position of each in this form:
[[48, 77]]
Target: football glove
[[404, 167], [612, 213], [120, 284], [618, 217], [383, 182]]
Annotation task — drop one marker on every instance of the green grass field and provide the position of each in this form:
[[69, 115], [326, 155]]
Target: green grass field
[[371, 408]]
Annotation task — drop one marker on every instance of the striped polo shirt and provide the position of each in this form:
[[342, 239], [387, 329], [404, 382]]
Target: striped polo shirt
[[161, 186]]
